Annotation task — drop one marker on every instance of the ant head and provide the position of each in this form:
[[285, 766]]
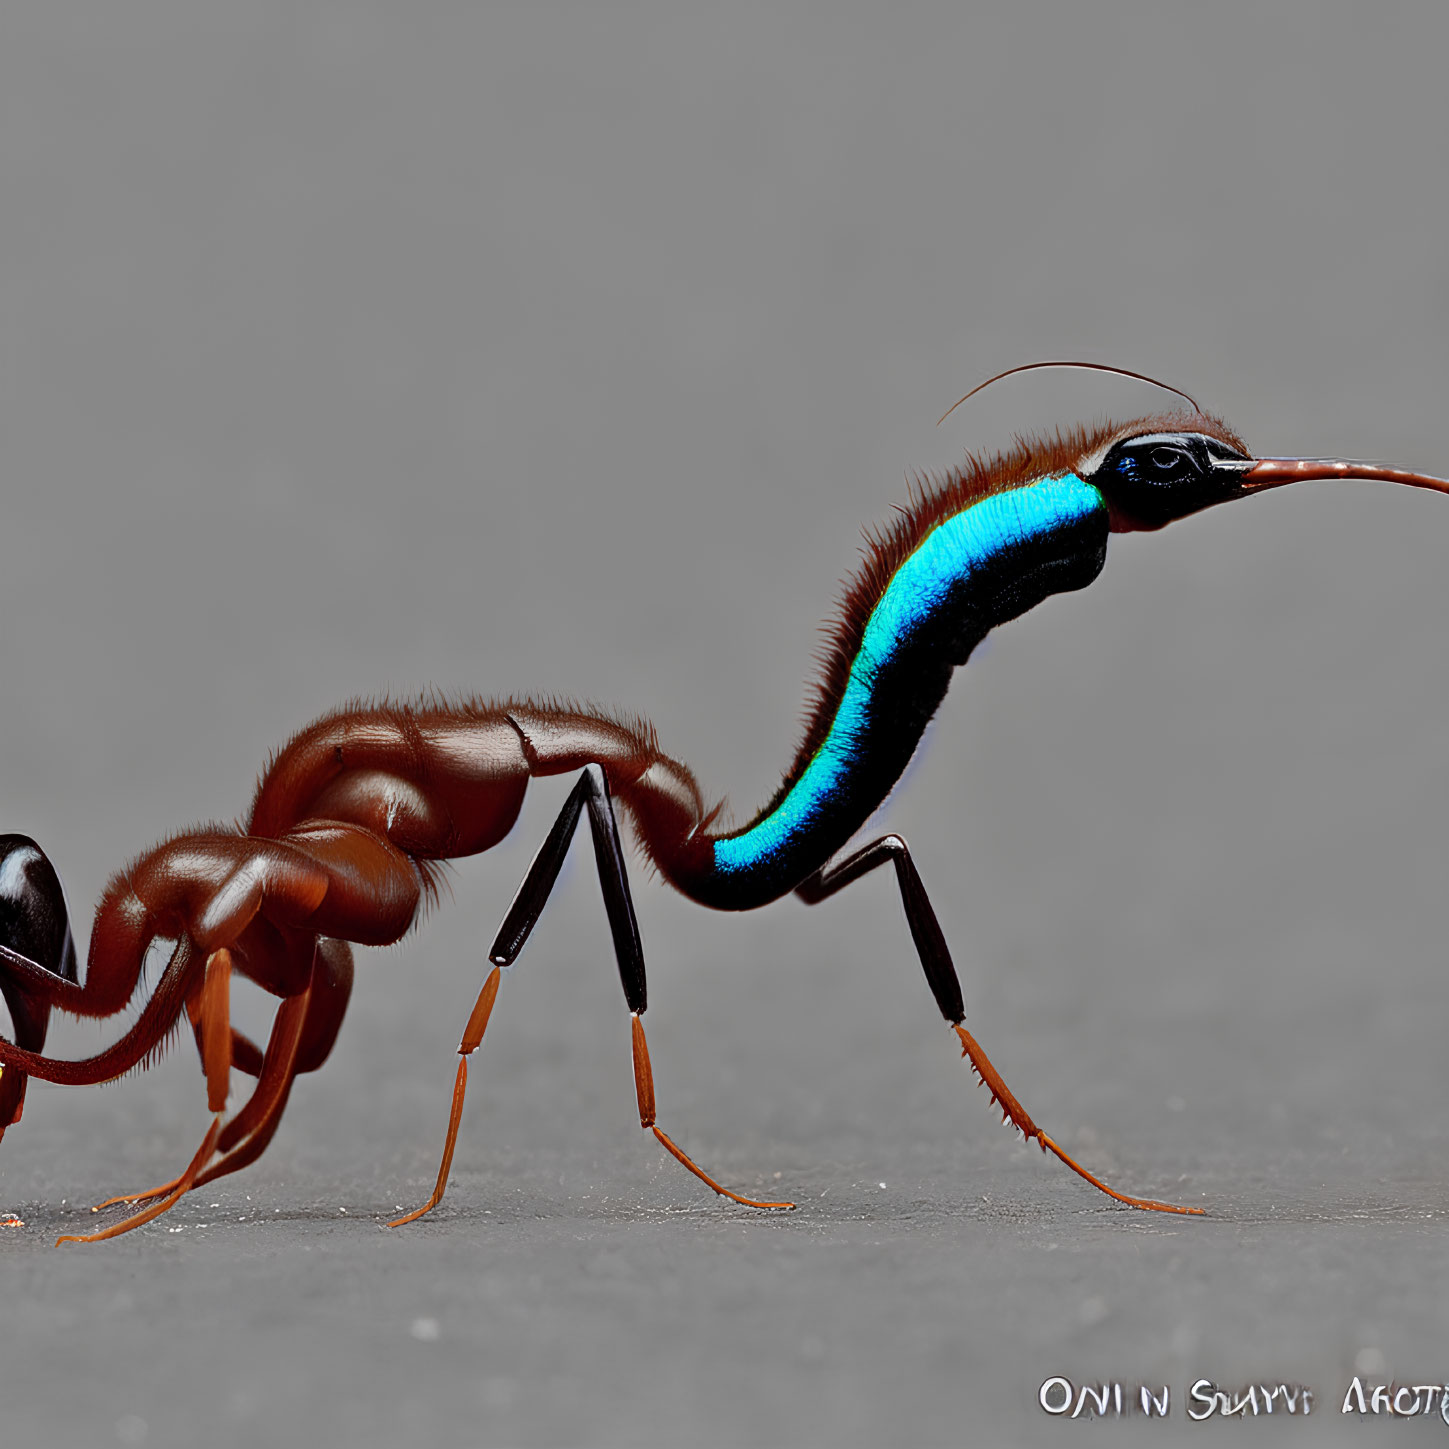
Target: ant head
[[1164, 468], [1149, 478], [1151, 471]]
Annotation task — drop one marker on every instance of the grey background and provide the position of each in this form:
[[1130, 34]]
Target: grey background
[[349, 348]]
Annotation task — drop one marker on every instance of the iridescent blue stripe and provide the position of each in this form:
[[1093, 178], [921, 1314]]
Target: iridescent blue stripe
[[961, 543]]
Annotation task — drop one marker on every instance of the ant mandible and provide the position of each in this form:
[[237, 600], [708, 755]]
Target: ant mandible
[[352, 818]]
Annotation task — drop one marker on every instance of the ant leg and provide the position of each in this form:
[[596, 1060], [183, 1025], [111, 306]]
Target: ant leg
[[472, 1037], [216, 1029], [303, 1033], [246, 1136], [644, 1091], [183, 1185], [246, 1055], [213, 1019], [249, 1133], [946, 987], [592, 790]]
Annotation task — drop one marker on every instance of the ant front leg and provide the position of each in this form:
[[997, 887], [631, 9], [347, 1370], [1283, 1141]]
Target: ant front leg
[[945, 985], [303, 1034], [232, 919], [210, 1004], [591, 791], [246, 1055]]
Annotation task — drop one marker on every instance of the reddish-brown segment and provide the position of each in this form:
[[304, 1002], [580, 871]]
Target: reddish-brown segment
[[455, 1116], [643, 1073], [246, 1136], [1012, 1111], [675, 1151], [478, 1017], [643, 1087], [472, 1039], [184, 1184], [1276, 472], [216, 1029], [644, 1091]]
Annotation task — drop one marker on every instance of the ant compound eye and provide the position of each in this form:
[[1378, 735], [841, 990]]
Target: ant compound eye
[[1155, 477]]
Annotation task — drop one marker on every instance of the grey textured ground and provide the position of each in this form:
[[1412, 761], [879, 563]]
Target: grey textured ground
[[352, 348]]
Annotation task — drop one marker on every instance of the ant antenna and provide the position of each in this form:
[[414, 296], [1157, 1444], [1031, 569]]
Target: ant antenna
[[1086, 366]]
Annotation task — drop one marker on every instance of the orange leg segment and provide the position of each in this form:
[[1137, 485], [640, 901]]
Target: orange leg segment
[[246, 1136], [472, 1038], [216, 1029], [591, 793], [183, 1185], [1012, 1111], [644, 1091]]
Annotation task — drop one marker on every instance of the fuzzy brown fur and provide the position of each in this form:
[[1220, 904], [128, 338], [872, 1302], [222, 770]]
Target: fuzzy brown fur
[[933, 499]]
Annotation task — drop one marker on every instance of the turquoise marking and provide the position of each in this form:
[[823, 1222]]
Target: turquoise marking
[[944, 557]]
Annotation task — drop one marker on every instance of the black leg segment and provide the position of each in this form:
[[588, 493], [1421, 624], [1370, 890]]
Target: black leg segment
[[925, 929], [592, 790]]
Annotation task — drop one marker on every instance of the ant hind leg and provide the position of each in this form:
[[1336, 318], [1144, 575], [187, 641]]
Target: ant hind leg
[[936, 961], [591, 791]]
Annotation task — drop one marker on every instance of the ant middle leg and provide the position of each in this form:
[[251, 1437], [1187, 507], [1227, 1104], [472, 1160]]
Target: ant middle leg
[[591, 791], [935, 956]]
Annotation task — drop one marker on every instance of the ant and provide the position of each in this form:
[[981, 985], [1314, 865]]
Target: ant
[[352, 819]]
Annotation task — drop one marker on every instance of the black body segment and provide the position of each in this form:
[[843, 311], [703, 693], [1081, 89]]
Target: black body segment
[[977, 569], [926, 930], [37, 954], [592, 790]]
